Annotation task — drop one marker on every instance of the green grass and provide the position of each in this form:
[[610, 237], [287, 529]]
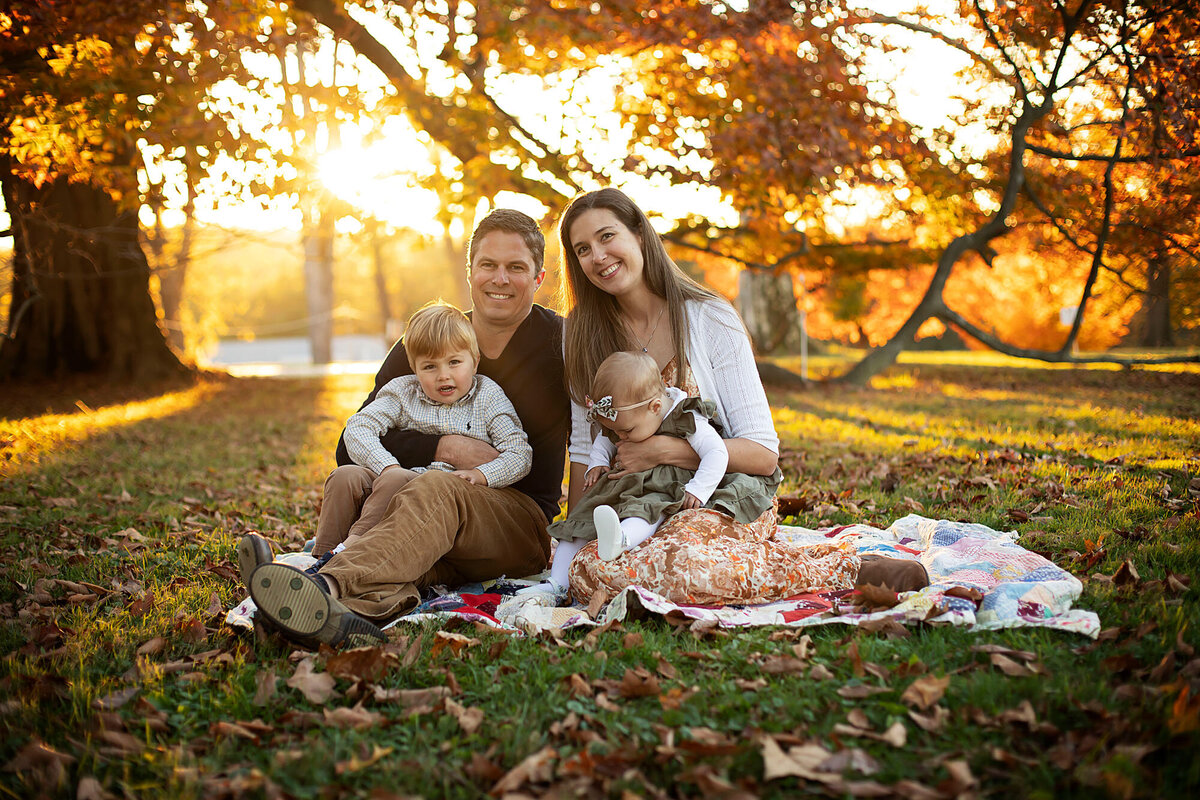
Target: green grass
[[119, 513]]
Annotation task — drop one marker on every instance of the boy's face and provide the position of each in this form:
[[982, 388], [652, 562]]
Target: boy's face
[[447, 377]]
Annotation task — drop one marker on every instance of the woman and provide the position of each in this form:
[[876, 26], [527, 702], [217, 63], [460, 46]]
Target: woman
[[623, 292]]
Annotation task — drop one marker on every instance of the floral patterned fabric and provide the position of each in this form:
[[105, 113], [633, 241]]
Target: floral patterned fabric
[[702, 557]]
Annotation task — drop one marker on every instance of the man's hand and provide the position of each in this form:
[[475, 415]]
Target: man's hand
[[641, 456], [593, 475], [691, 501], [471, 476], [464, 452]]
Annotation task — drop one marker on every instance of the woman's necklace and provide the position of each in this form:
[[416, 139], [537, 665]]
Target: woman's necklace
[[646, 344]]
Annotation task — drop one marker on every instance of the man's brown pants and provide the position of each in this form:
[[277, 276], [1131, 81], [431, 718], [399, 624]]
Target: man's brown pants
[[438, 529]]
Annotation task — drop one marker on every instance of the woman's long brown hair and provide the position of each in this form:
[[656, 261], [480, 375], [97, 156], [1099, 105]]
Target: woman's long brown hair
[[594, 329]]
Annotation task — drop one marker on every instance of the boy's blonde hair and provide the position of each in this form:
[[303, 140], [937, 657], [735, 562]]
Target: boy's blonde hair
[[628, 377], [436, 329]]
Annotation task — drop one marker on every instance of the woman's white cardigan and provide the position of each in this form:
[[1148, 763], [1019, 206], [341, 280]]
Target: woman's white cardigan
[[722, 364]]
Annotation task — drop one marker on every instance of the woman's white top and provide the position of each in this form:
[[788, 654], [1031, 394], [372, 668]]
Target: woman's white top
[[722, 364]]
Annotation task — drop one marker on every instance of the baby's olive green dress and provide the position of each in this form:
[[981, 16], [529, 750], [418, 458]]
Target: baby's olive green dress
[[658, 491]]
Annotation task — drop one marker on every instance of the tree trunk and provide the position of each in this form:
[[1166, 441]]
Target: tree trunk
[[391, 330], [1157, 332], [172, 279], [81, 288], [767, 302], [318, 286]]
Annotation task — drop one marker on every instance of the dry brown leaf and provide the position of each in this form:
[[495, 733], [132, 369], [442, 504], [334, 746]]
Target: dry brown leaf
[[42, 763], [356, 718], [234, 729], [1011, 668], [536, 768], [851, 758], [596, 603], [632, 640], [961, 779], [152, 647], [123, 742], [861, 691], [264, 687], [858, 718], [750, 685], [456, 643], [89, 788], [117, 699], [932, 720], [638, 683], [912, 790], [925, 691], [360, 663], [578, 686], [469, 719], [483, 769], [317, 687], [802, 761], [356, 764], [784, 665], [886, 626], [414, 701], [820, 672], [1126, 574], [965, 592], [675, 697], [667, 669]]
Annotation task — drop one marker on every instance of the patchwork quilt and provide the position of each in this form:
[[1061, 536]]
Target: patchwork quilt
[[981, 579]]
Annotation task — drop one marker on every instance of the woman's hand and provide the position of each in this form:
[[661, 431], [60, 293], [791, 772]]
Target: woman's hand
[[641, 456], [593, 475]]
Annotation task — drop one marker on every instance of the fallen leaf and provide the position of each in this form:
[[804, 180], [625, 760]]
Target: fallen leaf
[[632, 640], [932, 720], [536, 768], [45, 766], [123, 742], [317, 687], [636, 684], [675, 697], [860, 691], [803, 761], [116, 699], [596, 603], [456, 643], [748, 685], [264, 687], [360, 663], [152, 647], [414, 701], [820, 672], [469, 719], [1011, 668], [852, 758], [578, 686], [356, 718], [1126, 574], [89, 788], [784, 665], [356, 764], [925, 691]]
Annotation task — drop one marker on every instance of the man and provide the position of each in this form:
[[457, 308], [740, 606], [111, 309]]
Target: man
[[440, 529]]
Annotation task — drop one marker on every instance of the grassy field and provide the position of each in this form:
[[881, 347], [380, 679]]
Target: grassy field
[[119, 514]]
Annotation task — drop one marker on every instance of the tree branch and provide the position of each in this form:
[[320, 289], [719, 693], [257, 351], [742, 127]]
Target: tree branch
[[952, 317], [886, 19], [1138, 159]]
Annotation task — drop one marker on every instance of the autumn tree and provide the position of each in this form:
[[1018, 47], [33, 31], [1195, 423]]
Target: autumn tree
[[84, 88]]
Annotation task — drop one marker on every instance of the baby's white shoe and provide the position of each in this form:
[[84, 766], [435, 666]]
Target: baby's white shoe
[[610, 539]]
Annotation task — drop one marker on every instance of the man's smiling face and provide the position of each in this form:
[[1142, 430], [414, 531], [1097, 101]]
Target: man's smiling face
[[502, 280]]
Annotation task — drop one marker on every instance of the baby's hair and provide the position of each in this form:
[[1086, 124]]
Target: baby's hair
[[436, 329], [629, 377]]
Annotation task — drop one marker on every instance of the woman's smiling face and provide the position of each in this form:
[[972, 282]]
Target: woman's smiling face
[[609, 254]]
